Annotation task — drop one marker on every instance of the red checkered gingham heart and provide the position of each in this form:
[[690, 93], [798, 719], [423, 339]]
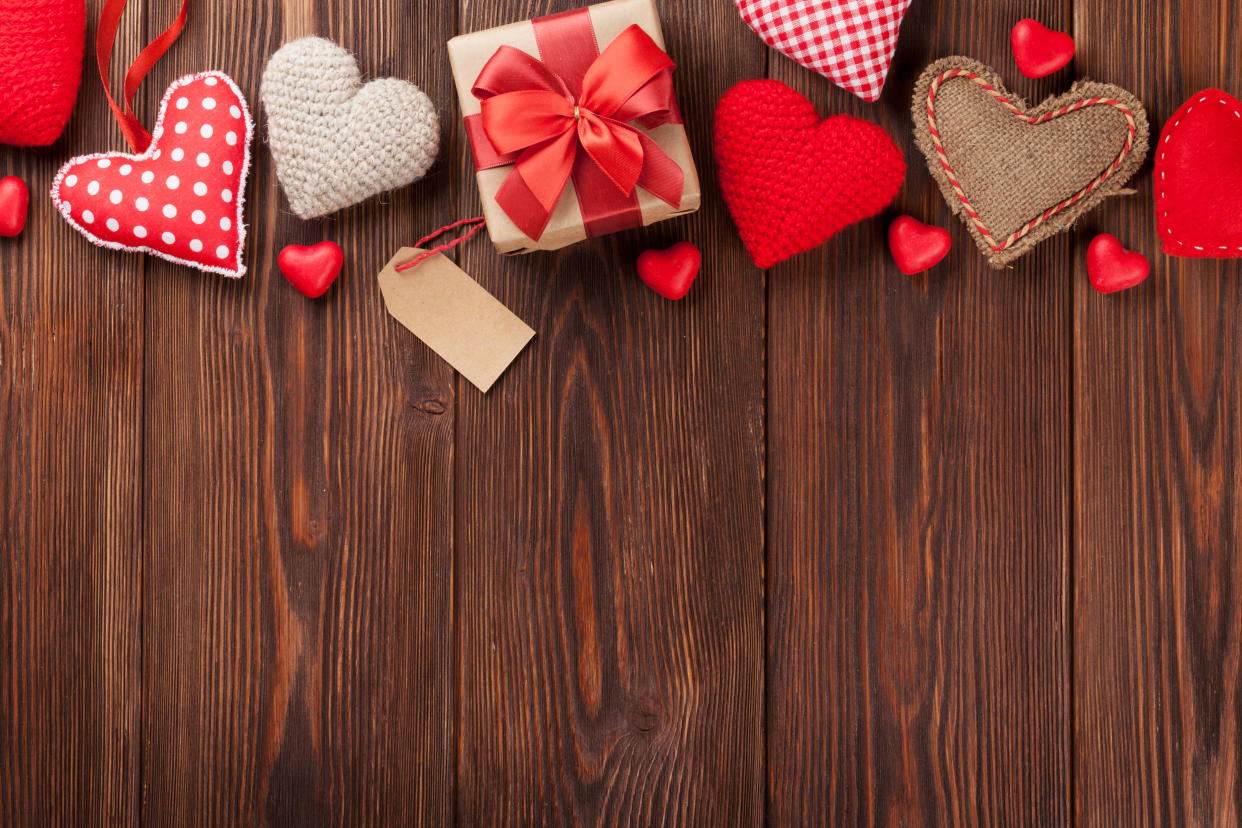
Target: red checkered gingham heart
[[850, 42]]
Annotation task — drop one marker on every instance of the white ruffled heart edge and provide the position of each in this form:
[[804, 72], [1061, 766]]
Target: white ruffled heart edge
[[239, 268]]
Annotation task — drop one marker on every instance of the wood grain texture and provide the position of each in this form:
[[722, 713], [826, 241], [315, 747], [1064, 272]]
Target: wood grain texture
[[1158, 419], [609, 511], [917, 482], [298, 512], [71, 350], [818, 545]]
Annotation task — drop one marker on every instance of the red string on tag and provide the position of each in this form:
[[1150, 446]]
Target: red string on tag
[[135, 133], [479, 223]]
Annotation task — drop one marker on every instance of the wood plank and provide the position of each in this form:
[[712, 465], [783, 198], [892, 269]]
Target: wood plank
[[71, 346], [917, 482], [609, 510], [1158, 419], [299, 552]]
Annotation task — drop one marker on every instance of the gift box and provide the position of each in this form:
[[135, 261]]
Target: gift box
[[573, 126]]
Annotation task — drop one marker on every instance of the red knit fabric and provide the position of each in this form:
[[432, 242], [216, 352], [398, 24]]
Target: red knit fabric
[[790, 180], [41, 44], [1199, 178]]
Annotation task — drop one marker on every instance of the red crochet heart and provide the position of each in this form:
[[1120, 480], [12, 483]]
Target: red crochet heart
[[792, 181], [1038, 50], [313, 269], [41, 44], [1198, 178], [182, 199], [671, 272]]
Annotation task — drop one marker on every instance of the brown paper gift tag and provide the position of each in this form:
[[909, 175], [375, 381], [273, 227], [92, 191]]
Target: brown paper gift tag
[[452, 313]]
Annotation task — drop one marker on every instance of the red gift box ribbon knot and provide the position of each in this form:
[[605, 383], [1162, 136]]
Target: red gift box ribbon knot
[[537, 119]]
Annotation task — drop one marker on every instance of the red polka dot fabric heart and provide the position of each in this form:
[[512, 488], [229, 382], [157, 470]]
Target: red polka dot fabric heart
[[1199, 178], [183, 198], [790, 180], [41, 43], [850, 42]]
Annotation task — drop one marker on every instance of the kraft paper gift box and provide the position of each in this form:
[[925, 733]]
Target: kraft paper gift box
[[567, 45]]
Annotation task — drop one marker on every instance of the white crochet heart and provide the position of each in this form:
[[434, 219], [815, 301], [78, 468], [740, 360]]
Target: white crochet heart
[[336, 141]]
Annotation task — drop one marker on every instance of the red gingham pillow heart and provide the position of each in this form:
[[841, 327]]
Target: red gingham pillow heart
[[182, 199], [850, 42]]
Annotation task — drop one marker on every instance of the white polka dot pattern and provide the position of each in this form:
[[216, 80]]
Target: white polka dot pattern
[[151, 211]]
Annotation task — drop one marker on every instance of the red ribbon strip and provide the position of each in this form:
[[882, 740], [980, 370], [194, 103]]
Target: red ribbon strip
[[537, 114], [475, 224], [109, 22]]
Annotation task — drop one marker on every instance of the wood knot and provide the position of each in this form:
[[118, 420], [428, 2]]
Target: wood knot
[[645, 714], [432, 406]]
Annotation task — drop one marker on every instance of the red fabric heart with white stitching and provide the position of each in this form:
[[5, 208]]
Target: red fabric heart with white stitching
[[183, 198], [790, 180], [1199, 178], [850, 42], [41, 43]]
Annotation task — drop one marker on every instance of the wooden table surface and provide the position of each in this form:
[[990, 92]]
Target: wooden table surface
[[821, 544]]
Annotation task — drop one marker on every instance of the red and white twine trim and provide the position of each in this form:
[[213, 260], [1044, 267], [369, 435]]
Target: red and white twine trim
[[1038, 119]]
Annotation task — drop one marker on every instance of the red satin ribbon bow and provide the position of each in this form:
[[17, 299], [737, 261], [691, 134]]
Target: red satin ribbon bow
[[529, 110]]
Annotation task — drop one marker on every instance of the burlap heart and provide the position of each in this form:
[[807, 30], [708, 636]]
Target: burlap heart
[[1016, 175]]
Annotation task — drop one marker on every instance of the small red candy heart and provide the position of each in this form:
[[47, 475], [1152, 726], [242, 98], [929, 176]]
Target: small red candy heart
[[14, 202], [1111, 267], [917, 246], [1040, 51], [312, 270], [671, 272]]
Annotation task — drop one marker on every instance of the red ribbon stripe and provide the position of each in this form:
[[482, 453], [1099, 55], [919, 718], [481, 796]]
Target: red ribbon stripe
[[567, 115], [135, 133]]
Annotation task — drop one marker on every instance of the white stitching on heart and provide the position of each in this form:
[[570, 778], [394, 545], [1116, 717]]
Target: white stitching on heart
[[1160, 195]]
